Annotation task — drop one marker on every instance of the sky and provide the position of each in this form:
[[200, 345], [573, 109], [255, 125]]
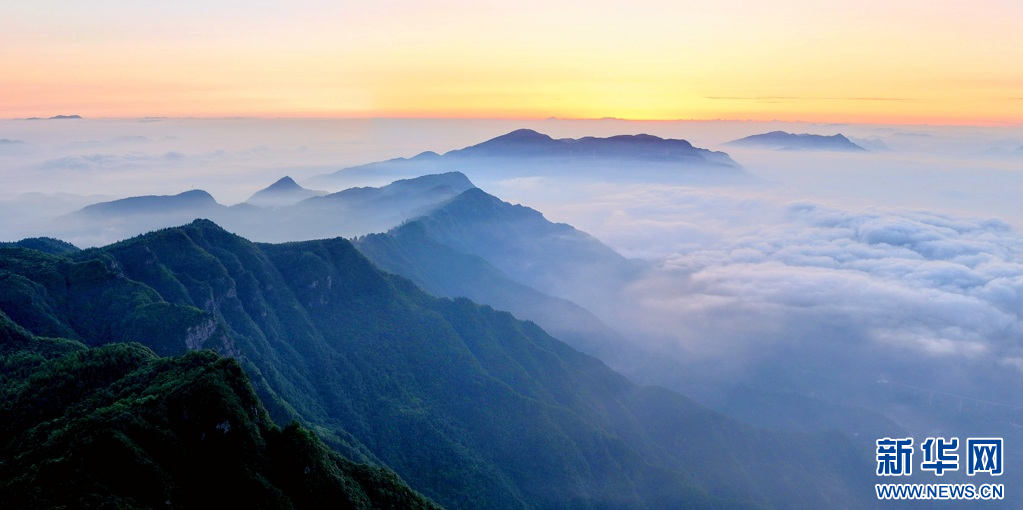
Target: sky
[[880, 61]]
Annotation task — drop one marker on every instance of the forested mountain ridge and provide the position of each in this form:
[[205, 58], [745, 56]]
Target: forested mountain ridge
[[116, 426], [472, 407]]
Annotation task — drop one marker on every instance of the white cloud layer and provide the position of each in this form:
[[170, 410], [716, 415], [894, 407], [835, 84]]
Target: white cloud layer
[[749, 280]]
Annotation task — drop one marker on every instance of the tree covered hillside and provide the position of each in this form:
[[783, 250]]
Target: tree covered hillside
[[472, 407], [116, 426]]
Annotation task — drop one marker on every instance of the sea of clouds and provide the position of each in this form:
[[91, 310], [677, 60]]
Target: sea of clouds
[[904, 264]]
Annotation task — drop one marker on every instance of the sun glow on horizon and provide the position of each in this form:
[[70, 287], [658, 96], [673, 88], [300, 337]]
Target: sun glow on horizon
[[861, 61]]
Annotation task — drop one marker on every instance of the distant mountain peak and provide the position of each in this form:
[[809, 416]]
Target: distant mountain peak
[[782, 140], [478, 205], [285, 191], [56, 117], [284, 183], [455, 180], [645, 147], [522, 135], [192, 200], [196, 194], [529, 153], [203, 223], [424, 155]]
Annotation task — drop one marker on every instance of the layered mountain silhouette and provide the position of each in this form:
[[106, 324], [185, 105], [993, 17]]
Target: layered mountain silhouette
[[552, 258], [347, 213], [284, 192], [512, 258], [782, 140], [469, 405], [525, 152], [286, 211], [441, 270]]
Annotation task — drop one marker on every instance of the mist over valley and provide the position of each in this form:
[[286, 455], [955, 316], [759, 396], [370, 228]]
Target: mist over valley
[[843, 296]]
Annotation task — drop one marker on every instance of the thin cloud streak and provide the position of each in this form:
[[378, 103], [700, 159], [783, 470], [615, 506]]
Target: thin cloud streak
[[809, 98]]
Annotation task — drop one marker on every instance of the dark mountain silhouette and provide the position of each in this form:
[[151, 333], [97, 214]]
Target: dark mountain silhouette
[[525, 152], [56, 117], [469, 405], [781, 140], [282, 193], [531, 144]]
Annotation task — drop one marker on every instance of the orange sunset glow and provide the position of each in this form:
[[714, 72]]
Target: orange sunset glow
[[859, 61]]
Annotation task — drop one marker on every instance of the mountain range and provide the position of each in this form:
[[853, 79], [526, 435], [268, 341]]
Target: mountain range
[[410, 251], [455, 240], [575, 287], [273, 215], [781, 140], [287, 211], [527, 153], [511, 257], [470, 406]]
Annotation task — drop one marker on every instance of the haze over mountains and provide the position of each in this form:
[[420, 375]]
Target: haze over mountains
[[469, 405], [473, 244], [511, 258], [300, 213], [852, 304], [284, 192], [283, 216], [528, 153]]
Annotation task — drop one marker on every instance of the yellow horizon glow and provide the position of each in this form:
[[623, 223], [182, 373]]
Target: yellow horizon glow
[[865, 61]]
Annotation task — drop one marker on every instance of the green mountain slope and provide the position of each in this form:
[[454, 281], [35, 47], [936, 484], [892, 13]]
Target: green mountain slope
[[471, 406], [118, 427]]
